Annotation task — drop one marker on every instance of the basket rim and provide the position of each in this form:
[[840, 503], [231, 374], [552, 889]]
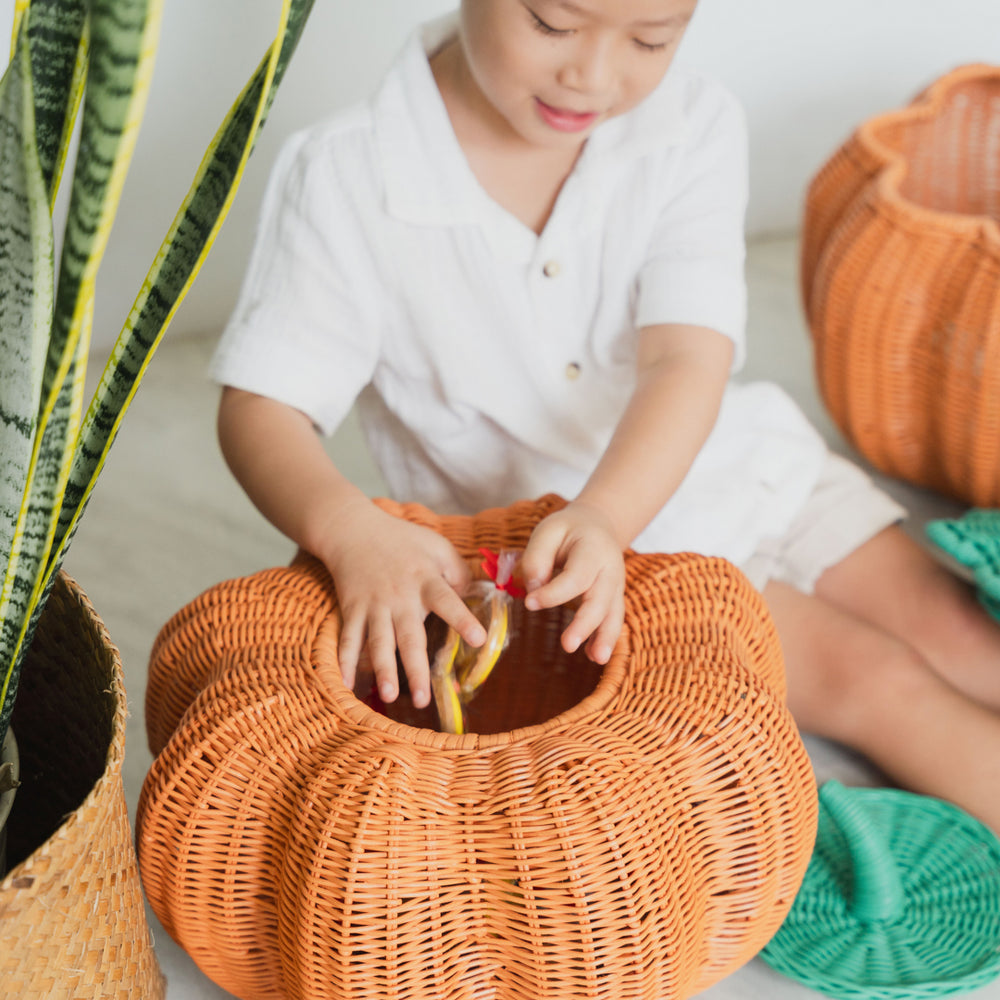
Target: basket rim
[[890, 175], [343, 701], [110, 777]]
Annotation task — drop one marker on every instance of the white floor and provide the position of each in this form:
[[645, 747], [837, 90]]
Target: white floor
[[167, 521]]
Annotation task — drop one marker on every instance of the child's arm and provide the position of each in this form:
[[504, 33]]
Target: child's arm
[[682, 373], [389, 573]]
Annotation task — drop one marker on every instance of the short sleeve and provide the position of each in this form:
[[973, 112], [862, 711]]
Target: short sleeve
[[694, 268], [305, 330]]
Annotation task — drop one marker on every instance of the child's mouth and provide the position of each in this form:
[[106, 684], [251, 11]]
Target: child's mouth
[[563, 120]]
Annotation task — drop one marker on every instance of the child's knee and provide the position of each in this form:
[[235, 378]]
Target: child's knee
[[859, 683], [952, 627]]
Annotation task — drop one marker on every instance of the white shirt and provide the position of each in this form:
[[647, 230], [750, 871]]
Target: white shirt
[[491, 364]]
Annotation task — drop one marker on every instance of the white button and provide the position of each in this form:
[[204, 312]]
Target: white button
[[551, 269], [572, 371]]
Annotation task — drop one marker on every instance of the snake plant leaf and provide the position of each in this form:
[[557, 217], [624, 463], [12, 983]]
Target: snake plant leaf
[[122, 48], [174, 269], [123, 35], [26, 295], [123, 43], [180, 257], [57, 40]]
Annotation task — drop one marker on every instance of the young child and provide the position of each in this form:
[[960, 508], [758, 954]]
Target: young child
[[524, 259]]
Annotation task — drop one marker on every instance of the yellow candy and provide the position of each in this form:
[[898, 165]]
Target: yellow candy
[[444, 687], [473, 665], [459, 669]]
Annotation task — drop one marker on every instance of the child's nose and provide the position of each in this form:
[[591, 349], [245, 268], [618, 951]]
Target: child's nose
[[590, 67]]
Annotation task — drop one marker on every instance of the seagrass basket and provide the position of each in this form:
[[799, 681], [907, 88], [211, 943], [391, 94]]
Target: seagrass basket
[[71, 907], [900, 272], [633, 831]]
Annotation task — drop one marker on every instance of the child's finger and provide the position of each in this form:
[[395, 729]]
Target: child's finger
[[538, 560], [588, 617], [411, 639], [602, 643], [446, 604], [352, 632], [571, 581], [382, 653], [456, 572], [599, 616]]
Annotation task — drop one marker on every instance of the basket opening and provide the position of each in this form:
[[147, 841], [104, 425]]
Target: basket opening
[[534, 680], [64, 718], [953, 156]]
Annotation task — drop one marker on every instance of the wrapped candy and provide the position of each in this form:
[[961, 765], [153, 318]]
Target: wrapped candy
[[458, 670]]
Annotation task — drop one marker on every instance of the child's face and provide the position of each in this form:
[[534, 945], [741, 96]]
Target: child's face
[[554, 69]]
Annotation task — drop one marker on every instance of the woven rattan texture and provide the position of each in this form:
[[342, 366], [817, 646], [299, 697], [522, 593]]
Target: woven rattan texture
[[901, 900], [900, 278], [973, 540], [644, 842], [72, 911]]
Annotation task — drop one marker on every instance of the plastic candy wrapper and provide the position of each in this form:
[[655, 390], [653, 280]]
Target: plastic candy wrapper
[[458, 670]]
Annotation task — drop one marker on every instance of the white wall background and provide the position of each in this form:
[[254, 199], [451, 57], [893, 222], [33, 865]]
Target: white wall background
[[806, 70]]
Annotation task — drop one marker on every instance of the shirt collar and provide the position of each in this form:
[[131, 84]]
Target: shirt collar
[[427, 177]]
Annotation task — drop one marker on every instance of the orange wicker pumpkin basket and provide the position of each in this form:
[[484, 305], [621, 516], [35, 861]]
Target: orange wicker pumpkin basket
[[633, 831], [901, 285]]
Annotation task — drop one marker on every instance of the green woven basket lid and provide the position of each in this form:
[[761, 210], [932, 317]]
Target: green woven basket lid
[[901, 899], [973, 540]]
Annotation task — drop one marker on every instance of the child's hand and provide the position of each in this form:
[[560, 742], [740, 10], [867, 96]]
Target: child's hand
[[577, 544], [390, 574]]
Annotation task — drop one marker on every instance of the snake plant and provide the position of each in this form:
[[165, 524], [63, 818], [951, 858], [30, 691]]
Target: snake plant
[[92, 58]]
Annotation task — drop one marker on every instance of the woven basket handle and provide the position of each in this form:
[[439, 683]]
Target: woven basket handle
[[877, 892]]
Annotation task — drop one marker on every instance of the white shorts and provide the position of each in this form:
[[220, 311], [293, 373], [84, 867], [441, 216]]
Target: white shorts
[[844, 511]]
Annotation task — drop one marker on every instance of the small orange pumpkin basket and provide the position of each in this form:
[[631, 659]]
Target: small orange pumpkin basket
[[900, 273], [636, 830]]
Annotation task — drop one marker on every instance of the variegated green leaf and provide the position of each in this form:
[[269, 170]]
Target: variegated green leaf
[[181, 255], [122, 48], [172, 273], [58, 42], [20, 9], [26, 276], [123, 37]]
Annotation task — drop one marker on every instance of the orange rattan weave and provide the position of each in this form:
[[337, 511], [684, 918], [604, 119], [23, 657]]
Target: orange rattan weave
[[71, 908], [901, 285], [643, 842]]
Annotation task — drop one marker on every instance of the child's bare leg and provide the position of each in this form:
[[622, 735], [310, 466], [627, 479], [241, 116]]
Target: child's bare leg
[[853, 682], [898, 586]]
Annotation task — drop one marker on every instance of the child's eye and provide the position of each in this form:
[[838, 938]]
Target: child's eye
[[546, 29], [650, 46]]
